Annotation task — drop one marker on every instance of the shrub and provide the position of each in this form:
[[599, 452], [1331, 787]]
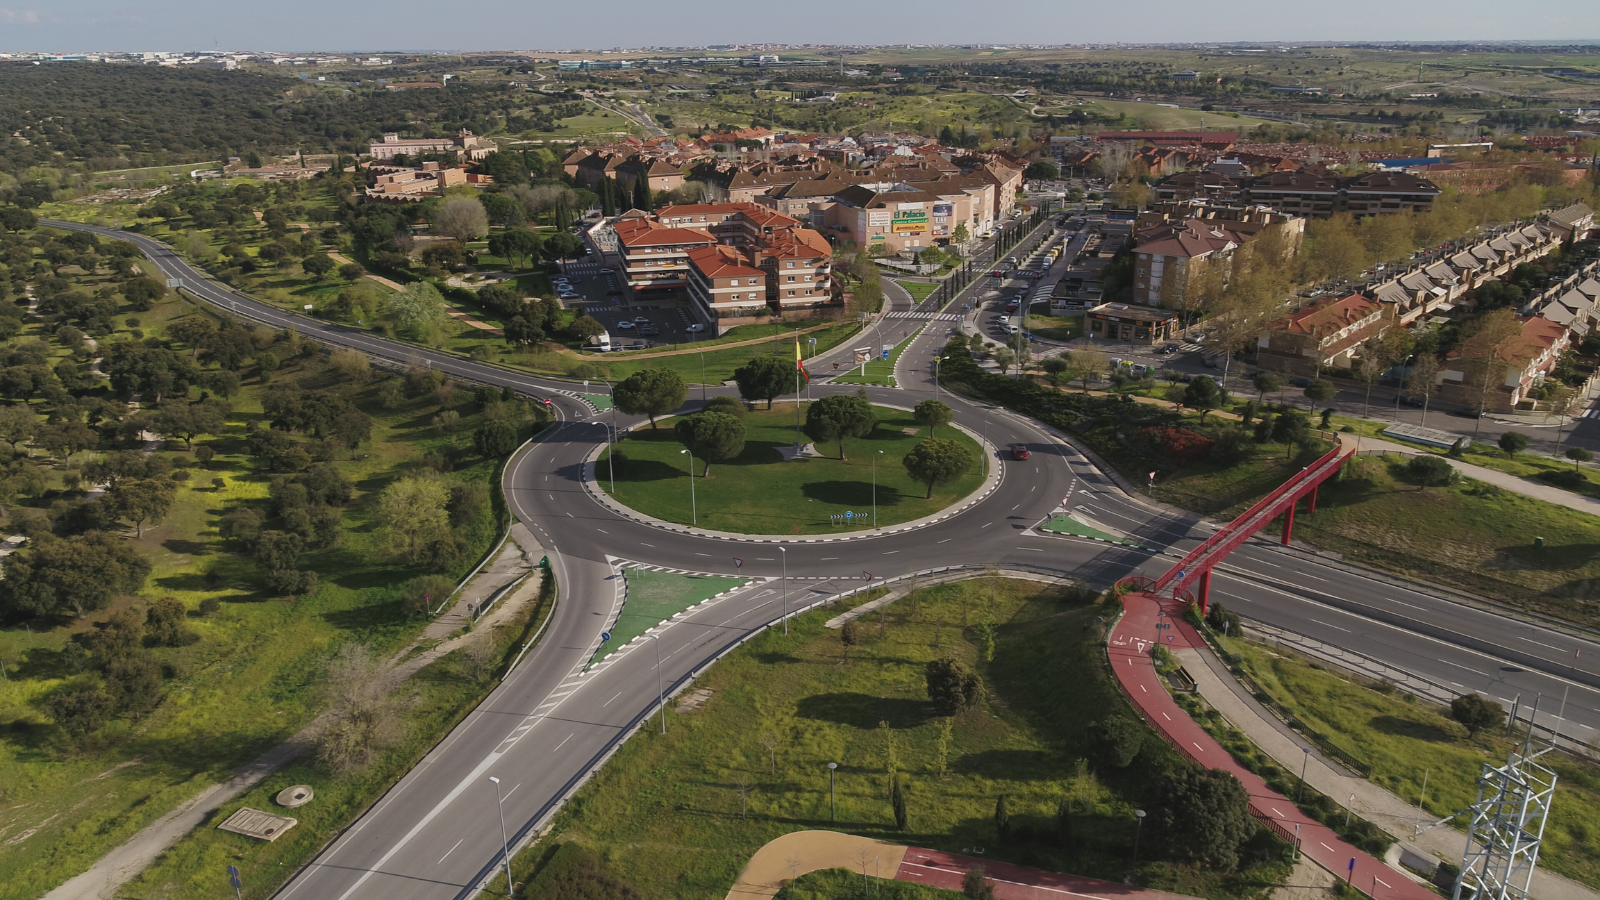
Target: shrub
[[1477, 712], [952, 687], [1430, 471], [1180, 445], [1116, 740], [210, 606]]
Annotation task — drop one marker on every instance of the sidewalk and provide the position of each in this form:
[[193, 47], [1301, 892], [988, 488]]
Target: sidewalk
[[1515, 484], [1378, 806], [788, 857], [1130, 655]]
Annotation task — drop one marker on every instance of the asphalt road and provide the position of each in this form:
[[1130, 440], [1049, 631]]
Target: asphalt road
[[550, 723]]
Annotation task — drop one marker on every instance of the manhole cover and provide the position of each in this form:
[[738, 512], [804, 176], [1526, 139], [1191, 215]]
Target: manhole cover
[[299, 795]]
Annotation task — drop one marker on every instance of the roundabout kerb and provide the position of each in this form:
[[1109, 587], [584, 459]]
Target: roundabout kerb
[[991, 483]]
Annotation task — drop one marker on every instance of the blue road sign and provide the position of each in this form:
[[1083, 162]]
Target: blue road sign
[[605, 636], [885, 354], [849, 515], [233, 878]]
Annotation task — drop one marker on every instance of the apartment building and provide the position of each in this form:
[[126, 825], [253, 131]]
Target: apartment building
[[1178, 242], [1306, 192], [725, 282], [1321, 335], [463, 146]]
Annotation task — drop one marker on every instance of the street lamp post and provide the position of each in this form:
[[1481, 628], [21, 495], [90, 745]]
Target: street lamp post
[[694, 513], [611, 465], [702, 353], [785, 552], [661, 696], [505, 845], [1138, 831], [1305, 760], [833, 810], [875, 488]]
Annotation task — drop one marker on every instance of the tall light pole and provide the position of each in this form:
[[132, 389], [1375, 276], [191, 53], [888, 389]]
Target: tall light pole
[[833, 809], [1304, 761], [875, 488], [505, 845], [785, 551], [936, 361], [611, 465], [702, 353], [694, 514], [1138, 831], [661, 696]]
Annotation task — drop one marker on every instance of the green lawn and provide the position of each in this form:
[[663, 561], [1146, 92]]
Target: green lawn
[[759, 493], [1068, 525], [919, 290], [1472, 535], [666, 811], [879, 371], [1055, 328], [654, 597], [1405, 740]]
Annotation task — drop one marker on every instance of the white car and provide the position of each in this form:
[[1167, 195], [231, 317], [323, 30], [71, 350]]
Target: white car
[[624, 325], [696, 327]]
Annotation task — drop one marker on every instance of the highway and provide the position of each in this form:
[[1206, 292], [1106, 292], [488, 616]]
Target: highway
[[551, 722]]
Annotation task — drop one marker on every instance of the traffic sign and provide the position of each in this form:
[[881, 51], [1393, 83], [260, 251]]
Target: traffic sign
[[605, 636], [233, 878], [177, 283], [885, 354], [738, 563]]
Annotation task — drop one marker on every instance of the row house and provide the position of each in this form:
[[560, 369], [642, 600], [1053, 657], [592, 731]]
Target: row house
[[1321, 335], [1534, 356], [1576, 306]]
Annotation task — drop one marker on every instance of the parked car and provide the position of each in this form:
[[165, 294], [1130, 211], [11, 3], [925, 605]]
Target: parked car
[[1019, 451], [641, 320], [696, 327], [649, 331], [624, 325]]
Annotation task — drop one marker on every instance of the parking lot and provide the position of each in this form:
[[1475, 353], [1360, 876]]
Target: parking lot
[[632, 323]]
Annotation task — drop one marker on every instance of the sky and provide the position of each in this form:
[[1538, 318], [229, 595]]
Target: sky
[[427, 25]]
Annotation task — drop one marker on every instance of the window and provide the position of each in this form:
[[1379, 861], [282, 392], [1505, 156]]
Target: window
[[791, 263], [791, 277], [808, 277]]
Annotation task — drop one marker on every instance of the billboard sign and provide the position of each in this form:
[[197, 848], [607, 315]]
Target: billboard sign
[[911, 221], [878, 218]]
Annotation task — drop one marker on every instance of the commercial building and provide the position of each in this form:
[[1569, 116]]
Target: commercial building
[[1130, 324], [463, 146]]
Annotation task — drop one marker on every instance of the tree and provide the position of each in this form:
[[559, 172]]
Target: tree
[[960, 235], [351, 428], [1116, 740], [1488, 350], [1477, 712], [952, 687], [562, 245], [178, 418], [1423, 379], [520, 331], [847, 638], [17, 424], [1005, 358], [1430, 471], [1203, 394], [462, 218], [726, 405], [414, 513], [13, 218], [1265, 383], [1578, 455], [154, 371], [974, 886], [165, 623], [140, 499], [1087, 364], [515, 244], [79, 573], [494, 439], [1513, 442], [650, 392], [317, 265], [711, 437], [418, 303], [936, 461], [932, 413], [1002, 820], [1041, 171], [838, 417], [365, 715], [1202, 813], [143, 292], [765, 377], [897, 802], [1055, 368], [80, 709], [1319, 391], [585, 327]]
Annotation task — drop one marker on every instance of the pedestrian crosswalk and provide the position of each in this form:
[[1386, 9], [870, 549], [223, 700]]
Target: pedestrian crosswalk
[[1592, 413], [1189, 348], [931, 317]]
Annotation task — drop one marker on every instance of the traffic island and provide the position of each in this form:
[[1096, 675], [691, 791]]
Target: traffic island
[[759, 493]]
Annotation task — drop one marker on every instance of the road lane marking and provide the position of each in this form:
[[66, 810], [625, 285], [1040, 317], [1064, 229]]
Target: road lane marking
[[563, 742], [608, 702], [448, 852], [1326, 625]]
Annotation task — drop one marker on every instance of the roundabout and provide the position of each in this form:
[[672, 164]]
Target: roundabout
[[765, 490]]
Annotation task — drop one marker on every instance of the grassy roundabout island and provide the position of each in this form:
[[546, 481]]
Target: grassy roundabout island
[[757, 492]]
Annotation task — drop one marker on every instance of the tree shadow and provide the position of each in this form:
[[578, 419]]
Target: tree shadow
[[851, 493], [642, 469], [185, 547], [863, 710], [1411, 728], [1008, 764]]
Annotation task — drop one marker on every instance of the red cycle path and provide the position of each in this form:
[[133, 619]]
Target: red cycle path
[[1130, 644], [945, 870]]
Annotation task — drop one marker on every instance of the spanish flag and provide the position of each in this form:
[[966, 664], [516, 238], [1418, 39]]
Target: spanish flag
[[799, 362]]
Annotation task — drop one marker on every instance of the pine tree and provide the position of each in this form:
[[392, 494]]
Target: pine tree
[[897, 799], [1002, 820]]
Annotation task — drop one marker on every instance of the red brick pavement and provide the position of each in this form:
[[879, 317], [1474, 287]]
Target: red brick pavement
[[1130, 645], [945, 870]]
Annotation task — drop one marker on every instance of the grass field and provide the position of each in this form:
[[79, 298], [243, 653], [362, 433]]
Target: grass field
[[919, 290], [1154, 116], [1472, 535], [1068, 525], [758, 493], [669, 816], [654, 597], [1405, 741], [878, 371], [1055, 328]]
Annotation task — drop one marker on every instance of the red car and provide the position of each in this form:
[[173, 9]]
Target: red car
[[1019, 451]]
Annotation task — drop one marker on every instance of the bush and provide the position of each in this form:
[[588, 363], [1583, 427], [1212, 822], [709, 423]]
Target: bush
[[1564, 478], [425, 593], [1430, 471], [726, 405], [952, 687], [1116, 740], [210, 606], [164, 623], [1477, 712]]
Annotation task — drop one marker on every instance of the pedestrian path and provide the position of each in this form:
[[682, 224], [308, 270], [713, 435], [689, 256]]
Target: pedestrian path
[[1513, 483], [1130, 650], [797, 853]]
